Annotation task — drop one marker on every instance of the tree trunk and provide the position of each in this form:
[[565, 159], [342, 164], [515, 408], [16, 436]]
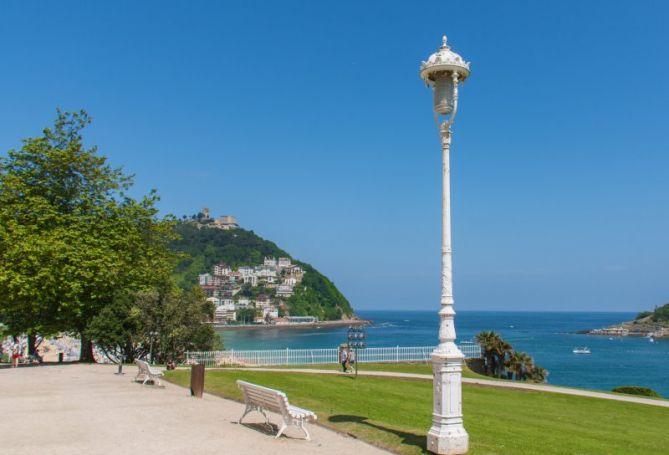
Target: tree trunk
[[488, 364], [86, 353], [32, 344]]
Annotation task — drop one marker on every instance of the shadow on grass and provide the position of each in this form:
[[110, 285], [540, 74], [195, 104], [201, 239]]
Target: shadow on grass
[[410, 439]]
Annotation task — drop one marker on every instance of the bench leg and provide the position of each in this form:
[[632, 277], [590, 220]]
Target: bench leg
[[246, 411], [281, 430], [304, 428]]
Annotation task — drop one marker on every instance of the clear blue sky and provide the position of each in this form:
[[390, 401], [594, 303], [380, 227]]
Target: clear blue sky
[[309, 123]]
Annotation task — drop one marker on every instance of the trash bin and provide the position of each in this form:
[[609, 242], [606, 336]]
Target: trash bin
[[197, 380], [60, 357]]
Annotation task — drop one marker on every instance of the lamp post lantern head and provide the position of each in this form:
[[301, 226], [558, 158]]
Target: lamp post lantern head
[[443, 70]]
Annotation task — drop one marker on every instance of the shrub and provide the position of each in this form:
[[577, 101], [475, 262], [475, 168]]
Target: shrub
[[635, 390]]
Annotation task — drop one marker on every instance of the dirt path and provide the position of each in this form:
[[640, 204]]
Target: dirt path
[[87, 409], [484, 382]]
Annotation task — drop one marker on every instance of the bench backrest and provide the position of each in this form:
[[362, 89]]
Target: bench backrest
[[270, 399]]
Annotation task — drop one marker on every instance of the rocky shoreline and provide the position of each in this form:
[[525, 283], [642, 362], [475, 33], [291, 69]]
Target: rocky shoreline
[[644, 327]]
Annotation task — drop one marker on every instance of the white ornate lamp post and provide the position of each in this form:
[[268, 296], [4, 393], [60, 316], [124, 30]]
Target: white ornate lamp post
[[443, 71]]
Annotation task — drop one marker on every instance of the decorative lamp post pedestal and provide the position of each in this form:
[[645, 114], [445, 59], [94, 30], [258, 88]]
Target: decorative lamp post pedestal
[[443, 71]]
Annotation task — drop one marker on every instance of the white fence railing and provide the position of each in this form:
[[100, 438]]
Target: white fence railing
[[319, 356]]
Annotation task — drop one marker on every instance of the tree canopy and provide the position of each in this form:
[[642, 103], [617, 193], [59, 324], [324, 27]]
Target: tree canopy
[[71, 238], [164, 322]]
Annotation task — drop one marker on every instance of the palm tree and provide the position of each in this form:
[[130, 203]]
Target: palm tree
[[503, 350], [515, 365], [538, 374], [528, 366], [488, 340], [520, 363]]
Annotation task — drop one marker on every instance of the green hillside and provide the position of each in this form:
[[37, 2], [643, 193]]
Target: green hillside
[[660, 314], [204, 247]]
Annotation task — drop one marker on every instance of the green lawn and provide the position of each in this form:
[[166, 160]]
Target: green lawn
[[396, 414], [404, 367]]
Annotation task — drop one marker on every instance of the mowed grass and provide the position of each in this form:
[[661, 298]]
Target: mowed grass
[[406, 367], [396, 414], [403, 367]]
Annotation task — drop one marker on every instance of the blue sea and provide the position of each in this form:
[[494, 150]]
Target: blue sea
[[548, 337]]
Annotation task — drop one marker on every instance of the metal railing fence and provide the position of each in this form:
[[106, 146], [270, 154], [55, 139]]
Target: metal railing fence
[[273, 357]]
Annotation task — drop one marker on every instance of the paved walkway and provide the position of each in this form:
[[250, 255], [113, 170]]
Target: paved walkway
[[484, 382], [86, 409]]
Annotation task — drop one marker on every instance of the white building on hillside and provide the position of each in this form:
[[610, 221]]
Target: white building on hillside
[[223, 315], [226, 222], [243, 303], [263, 300], [245, 271], [294, 270], [283, 290], [222, 269], [270, 311], [290, 281], [205, 279], [227, 304]]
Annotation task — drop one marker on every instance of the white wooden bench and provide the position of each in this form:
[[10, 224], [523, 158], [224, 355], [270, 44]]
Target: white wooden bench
[[146, 373], [261, 399]]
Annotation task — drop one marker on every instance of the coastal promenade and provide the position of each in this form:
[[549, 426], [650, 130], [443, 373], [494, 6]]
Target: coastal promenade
[[86, 409], [482, 382]]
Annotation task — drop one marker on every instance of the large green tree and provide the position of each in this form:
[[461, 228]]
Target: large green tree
[[165, 322], [70, 237]]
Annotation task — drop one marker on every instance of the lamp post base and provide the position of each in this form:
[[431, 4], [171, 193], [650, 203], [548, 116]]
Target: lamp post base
[[448, 441], [447, 435]]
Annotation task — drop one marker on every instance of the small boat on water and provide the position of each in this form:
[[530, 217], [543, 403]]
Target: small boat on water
[[583, 350]]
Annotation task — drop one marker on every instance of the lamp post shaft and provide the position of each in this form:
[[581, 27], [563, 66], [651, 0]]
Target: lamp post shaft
[[446, 313], [447, 434]]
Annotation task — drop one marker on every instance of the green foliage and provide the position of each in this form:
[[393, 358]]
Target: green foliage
[[394, 414], [253, 292], [660, 314], [636, 390], [318, 296], [70, 237], [204, 247], [165, 322], [246, 315], [500, 355]]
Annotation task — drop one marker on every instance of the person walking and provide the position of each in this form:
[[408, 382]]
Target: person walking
[[351, 358], [343, 358], [16, 354]]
